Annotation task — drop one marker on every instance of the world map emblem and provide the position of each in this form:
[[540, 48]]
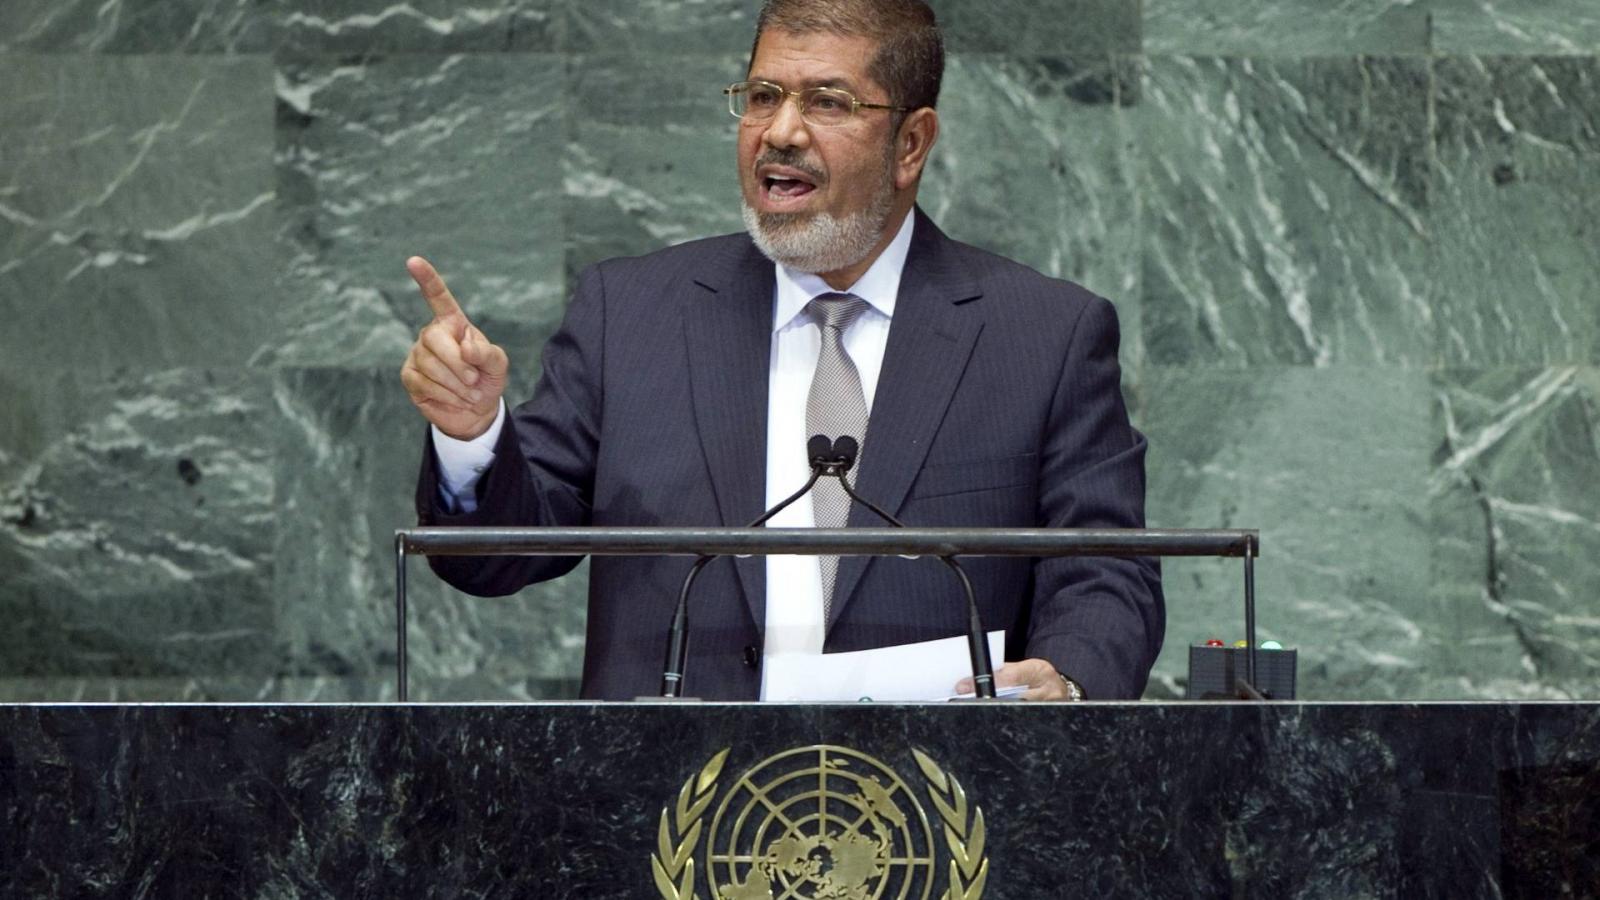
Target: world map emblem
[[820, 823]]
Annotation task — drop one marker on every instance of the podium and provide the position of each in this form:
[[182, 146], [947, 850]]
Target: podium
[[739, 801], [570, 800]]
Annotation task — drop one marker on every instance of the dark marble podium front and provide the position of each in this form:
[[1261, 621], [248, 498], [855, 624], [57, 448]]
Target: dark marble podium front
[[564, 800]]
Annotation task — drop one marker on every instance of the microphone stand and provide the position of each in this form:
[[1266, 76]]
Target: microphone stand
[[843, 457], [678, 633], [828, 459], [678, 636]]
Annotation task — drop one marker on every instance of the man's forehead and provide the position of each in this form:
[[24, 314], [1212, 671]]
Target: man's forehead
[[812, 59], [795, 84]]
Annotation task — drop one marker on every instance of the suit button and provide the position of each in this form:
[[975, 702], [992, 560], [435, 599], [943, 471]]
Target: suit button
[[752, 656]]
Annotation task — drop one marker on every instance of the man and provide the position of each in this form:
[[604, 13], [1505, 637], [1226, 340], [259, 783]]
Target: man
[[682, 386]]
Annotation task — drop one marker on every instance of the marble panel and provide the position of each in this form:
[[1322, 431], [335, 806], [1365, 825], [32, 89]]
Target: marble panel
[[135, 200], [347, 468], [1332, 466], [661, 27], [264, 688], [1515, 587], [131, 26], [1538, 815], [1056, 28], [1516, 26], [1286, 27], [714, 26], [566, 800], [651, 159], [273, 688], [1517, 265], [415, 26], [452, 157], [218, 535], [139, 545], [256, 26], [1285, 211], [1032, 163]]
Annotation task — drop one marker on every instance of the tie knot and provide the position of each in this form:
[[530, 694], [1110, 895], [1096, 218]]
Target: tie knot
[[836, 311]]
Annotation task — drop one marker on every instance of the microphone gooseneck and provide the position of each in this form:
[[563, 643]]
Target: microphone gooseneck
[[678, 636], [821, 452], [843, 457]]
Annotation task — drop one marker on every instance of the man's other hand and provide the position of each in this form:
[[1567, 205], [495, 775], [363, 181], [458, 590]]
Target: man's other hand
[[1041, 678], [453, 374]]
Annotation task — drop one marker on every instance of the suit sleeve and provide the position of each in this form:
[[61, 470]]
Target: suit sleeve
[[543, 470], [1100, 621]]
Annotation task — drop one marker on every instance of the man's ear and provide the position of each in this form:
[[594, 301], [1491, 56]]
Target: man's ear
[[918, 133]]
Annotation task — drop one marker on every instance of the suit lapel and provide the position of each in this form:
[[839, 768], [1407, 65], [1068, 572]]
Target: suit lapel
[[930, 341], [728, 332]]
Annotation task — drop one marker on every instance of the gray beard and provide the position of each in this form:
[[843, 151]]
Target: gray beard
[[819, 242]]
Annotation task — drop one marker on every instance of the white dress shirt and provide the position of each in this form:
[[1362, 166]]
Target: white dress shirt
[[794, 583], [794, 623]]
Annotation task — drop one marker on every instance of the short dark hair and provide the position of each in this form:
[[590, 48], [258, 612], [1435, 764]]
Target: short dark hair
[[909, 62]]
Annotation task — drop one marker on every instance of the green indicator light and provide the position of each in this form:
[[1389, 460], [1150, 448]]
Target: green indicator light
[[1271, 645]]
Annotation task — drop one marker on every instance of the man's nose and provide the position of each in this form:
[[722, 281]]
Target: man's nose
[[788, 127]]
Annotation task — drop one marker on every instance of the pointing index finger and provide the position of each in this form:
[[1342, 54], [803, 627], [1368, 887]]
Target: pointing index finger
[[440, 300]]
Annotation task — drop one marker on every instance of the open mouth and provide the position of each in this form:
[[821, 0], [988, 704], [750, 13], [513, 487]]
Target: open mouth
[[785, 186]]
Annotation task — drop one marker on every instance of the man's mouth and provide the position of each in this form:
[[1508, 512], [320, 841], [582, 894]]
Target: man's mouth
[[787, 187], [784, 185]]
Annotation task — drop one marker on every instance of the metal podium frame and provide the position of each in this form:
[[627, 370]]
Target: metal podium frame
[[908, 542]]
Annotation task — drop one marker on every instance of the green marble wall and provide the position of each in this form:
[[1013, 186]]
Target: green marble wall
[[1354, 246]]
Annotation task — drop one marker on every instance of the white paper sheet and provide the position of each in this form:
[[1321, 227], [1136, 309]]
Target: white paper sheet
[[907, 672]]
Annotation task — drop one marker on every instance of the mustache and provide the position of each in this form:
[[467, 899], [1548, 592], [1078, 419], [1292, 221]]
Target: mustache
[[793, 159]]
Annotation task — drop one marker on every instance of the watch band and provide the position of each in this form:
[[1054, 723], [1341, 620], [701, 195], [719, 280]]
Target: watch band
[[1075, 692]]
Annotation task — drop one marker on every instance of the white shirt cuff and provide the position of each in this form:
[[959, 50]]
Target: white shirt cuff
[[462, 463]]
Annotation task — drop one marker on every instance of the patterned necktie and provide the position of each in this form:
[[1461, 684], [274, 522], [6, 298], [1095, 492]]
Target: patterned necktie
[[836, 407]]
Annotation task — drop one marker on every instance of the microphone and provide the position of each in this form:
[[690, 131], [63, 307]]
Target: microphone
[[835, 459], [845, 449], [832, 457], [841, 456], [819, 450], [825, 457]]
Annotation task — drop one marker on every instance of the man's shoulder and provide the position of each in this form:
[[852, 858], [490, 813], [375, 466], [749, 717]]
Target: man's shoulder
[[1015, 282]]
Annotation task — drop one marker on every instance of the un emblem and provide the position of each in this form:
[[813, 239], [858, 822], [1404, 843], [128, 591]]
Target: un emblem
[[820, 823]]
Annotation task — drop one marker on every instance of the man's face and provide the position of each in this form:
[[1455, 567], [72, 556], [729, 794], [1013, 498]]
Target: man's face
[[817, 198]]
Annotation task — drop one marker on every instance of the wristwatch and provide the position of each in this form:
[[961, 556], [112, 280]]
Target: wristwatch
[[1075, 692]]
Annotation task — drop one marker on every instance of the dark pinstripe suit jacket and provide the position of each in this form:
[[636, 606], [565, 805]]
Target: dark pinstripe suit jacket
[[998, 404]]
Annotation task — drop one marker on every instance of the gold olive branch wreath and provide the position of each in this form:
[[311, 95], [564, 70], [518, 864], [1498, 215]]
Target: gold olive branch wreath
[[679, 834], [969, 868], [680, 830]]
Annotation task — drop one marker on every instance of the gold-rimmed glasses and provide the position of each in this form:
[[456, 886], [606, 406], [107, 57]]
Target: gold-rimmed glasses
[[756, 102]]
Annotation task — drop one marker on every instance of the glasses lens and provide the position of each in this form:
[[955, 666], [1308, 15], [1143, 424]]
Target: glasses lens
[[827, 106], [754, 100]]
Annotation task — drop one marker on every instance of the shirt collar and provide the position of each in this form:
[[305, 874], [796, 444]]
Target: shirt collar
[[879, 285]]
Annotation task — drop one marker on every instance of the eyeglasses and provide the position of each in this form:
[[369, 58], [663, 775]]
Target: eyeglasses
[[756, 102]]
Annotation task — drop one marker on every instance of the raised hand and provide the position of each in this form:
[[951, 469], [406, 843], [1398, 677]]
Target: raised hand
[[453, 374]]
